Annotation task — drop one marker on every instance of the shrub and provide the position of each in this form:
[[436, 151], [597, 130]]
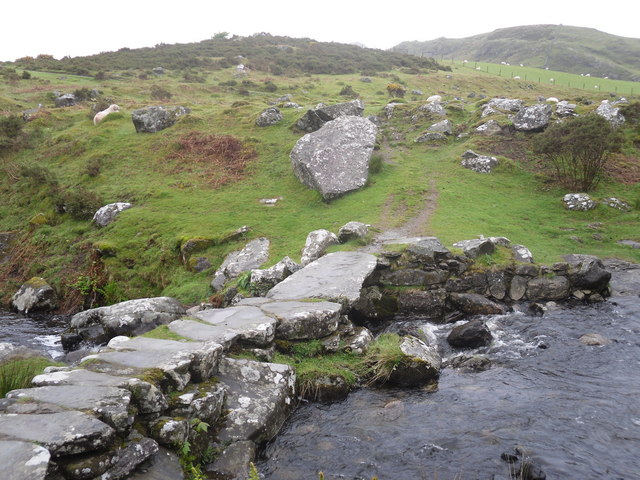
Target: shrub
[[348, 91], [82, 94], [396, 90], [578, 150], [80, 203], [10, 130], [631, 112], [26, 75], [93, 167], [269, 86], [159, 93]]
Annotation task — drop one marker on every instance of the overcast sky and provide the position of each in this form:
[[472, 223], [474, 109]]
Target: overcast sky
[[74, 27]]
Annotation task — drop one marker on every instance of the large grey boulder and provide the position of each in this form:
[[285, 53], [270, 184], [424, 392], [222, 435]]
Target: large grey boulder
[[554, 288], [335, 159], [107, 214], [427, 250], [252, 256], [304, 320], [533, 119], [610, 113], [434, 108], [474, 304], [34, 295], [565, 109], [489, 128], [478, 163], [264, 280], [316, 245], [156, 118], [420, 363], [587, 272], [505, 104], [133, 317], [268, 117], [338, 277], [315, 118], [65, 100]]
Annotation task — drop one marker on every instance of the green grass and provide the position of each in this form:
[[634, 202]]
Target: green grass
[[173, 198], [17, 373]]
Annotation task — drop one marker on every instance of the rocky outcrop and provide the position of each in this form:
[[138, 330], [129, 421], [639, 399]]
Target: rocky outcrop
[[489, 128], [269, 117], [156, 118], [264, 280], [107, 214], [335, 159], [133, 317], [445, 127], [34, 295], [353, 231], [419, 365], [315, 118], [533, 119], [64, 99], [475, 247], [471, 334], [252, 256]]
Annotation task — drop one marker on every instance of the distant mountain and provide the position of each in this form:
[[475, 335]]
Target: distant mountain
[[558, 47], [268, 53]]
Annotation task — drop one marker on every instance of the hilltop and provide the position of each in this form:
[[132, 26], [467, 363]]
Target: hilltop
[[557, 47], [187, 190]]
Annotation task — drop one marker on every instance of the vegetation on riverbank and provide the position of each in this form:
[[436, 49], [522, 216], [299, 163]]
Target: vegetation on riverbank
[[18, 372], [178, 192]]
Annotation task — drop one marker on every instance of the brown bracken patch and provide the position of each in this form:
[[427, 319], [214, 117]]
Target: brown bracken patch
[[218, 159], [624, 168]]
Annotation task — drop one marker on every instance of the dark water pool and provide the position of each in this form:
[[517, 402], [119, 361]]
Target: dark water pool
[[574, 409], [37, 333]]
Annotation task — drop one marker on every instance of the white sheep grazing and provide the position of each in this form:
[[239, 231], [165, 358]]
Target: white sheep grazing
[[100, 115], [434, 98]]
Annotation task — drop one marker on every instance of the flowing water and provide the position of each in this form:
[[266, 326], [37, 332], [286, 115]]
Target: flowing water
[[574, 409], [38, 333]]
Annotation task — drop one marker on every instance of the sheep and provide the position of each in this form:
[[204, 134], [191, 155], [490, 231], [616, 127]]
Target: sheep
[[100, 115]]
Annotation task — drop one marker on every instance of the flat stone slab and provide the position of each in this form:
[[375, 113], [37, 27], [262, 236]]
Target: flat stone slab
[[304, 320], [62, 433], [109, 404], [180, 361], [23, 460], [246, 323], [260, 397], [337, 277]]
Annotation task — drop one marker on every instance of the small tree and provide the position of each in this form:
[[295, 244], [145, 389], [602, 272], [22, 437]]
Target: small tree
[[578, 149], [396, 90]]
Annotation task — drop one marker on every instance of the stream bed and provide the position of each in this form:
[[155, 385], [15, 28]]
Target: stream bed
[[573, 409]]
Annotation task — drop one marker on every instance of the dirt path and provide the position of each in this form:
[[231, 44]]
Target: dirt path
[[415, 226]]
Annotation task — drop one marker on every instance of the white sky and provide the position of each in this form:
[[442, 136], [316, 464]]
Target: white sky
[[74, 27]]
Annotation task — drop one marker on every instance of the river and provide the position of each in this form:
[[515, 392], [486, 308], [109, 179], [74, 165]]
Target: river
[[574, 409], [38, 333]]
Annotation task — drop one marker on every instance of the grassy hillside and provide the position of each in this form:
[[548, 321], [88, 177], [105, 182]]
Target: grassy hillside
[[181, 189], [557, 47]]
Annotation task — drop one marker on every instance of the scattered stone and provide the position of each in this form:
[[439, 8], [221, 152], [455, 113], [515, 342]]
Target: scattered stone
[[430, 137], [269, 117], [169, 432], [505, 104], [353, 231], [107, 214], [490, 128], [65, 100], [478, 163], [610, 113], [533, 119], [417, 92], [434, 99], [270, 201], [629, 243], [565, 109], [133, 317], [158, 70], [252, 256], [434, 108], [233, 462], [420, 364], [472, 334], [579, 202], [427, 250], [335, 159], [445, 127], [594, 339], [315, 118], [199, 264], [469, 363], [617, 204], [156, 118], [34, 295], [316, 245], [365, 79], [476, 247], [264, 280], [522, 254]]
